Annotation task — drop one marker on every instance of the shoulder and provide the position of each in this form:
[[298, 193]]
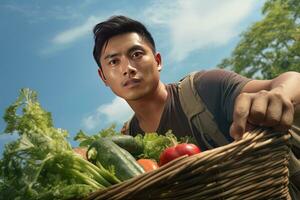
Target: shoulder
[[218, 78], [217, 75]]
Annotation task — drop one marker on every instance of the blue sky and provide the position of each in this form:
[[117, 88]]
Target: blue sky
[[47, 46]]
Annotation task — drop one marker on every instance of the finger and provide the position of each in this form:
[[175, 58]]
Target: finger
[[240, 115], [274, 112], [258, 108], [250, 127], [287, 117]]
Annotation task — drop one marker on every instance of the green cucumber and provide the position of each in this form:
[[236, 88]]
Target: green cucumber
[[128, 143], [114, 158]]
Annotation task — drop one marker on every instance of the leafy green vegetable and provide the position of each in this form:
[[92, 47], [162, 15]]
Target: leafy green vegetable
[[154, 143], [41, 164], [67, 192], [85, 140]]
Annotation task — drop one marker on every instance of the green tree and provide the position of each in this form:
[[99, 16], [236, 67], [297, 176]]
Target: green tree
[[270, 46]]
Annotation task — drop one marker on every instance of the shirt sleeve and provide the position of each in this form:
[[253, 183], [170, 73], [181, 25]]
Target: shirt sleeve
[[218, 89]]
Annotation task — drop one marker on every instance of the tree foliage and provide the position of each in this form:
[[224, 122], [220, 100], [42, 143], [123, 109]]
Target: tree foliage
[[270, 46]]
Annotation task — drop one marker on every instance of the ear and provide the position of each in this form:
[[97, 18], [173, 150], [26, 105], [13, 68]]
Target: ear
[[158, 61], [101, 75]]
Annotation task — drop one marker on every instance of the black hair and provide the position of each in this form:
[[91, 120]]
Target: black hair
[[117, 25]]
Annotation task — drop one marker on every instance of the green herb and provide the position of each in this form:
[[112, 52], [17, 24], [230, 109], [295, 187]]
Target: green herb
[[85, 140], [41, 164]]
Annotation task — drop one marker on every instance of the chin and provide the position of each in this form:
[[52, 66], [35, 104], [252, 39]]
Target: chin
[[135, 95]]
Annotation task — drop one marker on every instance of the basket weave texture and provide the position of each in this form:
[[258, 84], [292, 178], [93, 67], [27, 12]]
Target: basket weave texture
[[255, 167]]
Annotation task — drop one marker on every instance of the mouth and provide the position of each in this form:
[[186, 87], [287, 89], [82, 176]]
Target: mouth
[[131, 82]]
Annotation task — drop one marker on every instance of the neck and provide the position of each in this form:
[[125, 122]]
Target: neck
[[148, 109]]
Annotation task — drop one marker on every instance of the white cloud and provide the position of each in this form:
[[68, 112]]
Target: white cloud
[[66, 37], [74, 33], [197, 24], [117, 111]]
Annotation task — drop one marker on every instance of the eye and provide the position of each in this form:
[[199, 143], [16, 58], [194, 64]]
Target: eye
[[137, 54], [113, 62]]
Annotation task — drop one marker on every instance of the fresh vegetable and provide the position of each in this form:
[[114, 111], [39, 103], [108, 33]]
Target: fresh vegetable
[[176, 151], [81, 151], [68, 192], [149, 145], [40, 163], [148, 164], [129, 143], [114, 158], [85, 140], [154, 144]]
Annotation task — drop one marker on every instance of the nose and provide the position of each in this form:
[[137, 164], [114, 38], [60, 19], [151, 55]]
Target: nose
[[128, 69]]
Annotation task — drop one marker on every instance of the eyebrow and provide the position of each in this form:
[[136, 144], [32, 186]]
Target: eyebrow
[[131, 49], [111, 55], [135, 47]]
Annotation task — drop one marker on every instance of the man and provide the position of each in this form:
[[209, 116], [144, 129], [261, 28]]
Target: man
[[129, 64]]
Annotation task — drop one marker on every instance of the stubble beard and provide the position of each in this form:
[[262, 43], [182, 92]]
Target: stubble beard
[[143, 93]]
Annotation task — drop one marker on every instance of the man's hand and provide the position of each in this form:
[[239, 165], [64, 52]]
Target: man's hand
[[265, 108]]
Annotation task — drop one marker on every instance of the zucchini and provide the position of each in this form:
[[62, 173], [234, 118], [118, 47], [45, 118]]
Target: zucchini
[[128, 143], [114, 158]]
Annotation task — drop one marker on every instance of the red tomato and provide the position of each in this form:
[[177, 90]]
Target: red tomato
[[167, 155], [174, 152], [148, 164]]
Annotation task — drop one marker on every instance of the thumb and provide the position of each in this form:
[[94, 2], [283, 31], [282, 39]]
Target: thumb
[[236, 132]]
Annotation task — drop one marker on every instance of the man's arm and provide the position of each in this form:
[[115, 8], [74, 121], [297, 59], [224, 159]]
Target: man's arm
[[268, 103]]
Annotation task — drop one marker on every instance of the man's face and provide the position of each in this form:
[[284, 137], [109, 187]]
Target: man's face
[[129, 66]]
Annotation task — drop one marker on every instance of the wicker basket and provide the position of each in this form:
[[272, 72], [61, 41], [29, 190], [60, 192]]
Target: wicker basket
[[255, 167]]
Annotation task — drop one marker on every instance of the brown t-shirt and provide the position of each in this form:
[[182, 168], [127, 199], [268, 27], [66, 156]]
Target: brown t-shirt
[[218, 90]]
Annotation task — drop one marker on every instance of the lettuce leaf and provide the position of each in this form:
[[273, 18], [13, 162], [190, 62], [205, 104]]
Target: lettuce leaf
[[154, 144]]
